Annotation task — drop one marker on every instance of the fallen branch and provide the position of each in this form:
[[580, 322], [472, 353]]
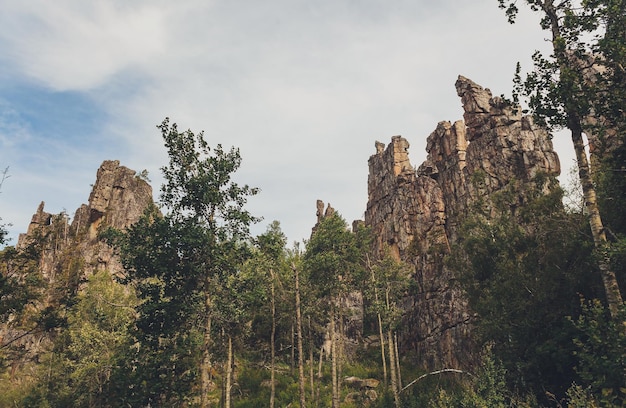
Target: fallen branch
[[445, 370]]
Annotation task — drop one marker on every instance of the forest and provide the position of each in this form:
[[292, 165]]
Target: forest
[[204, 314]]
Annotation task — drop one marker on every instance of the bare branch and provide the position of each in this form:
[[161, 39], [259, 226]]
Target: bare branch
[[5, 175], [445, 370]]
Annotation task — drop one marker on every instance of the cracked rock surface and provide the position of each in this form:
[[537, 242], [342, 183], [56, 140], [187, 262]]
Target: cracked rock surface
[[418, 213]]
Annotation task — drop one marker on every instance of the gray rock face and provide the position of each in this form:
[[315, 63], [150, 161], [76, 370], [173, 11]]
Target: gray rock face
[[39, 220], [117, 200], [417, 213], [118, 197]]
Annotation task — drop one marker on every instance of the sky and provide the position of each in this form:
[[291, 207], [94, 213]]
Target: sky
[[302, 88]]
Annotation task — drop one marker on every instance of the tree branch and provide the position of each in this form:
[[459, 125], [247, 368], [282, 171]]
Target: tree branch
[[34, 330], [445, 370]]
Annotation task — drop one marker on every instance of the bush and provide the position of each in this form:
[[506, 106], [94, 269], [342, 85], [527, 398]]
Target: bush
[[601, 352]]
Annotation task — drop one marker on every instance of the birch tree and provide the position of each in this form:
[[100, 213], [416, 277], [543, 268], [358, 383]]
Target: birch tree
[[177, 262], [580, 87], [332, 257]]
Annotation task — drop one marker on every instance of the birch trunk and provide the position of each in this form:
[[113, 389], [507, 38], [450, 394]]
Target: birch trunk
[[301, 378], [574, 124], [229, 373], [392, 357], [273, 344], [392, 366], [333, 357], [609, 280], [340, 352], [319, 366], [380, 325], [311, 362], [381, 335], [311, 371], [205, 367], [399, 372]]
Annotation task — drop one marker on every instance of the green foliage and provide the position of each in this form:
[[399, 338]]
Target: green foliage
[[561, 88], [606, 20], [22, 289], [579, 397], [487, 389], [162, 375], [611, 186], [98, 338], [270, 264], [185, 267], [3, 233], [199, 184], [333, 257], [334, 265], [144, 175], [490, 388], [82, 369], [156, 254], [522, 276], [139, 341], [21, 282], [390, 283], [272, 243], [252, 383], [582, 86], [601, 351]]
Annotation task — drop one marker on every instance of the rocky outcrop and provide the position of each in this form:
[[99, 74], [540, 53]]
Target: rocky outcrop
[[39, 220], [67, 253], [321, 213], [118, 198], [417, 213]]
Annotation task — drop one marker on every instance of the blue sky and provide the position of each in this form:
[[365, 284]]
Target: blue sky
[[303, 88]]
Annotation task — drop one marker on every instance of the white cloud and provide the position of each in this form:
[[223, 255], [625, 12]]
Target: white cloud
[[303, 88], [78, 45], [13, 129]]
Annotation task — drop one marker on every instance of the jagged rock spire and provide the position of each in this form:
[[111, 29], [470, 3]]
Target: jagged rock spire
[[417, 214]]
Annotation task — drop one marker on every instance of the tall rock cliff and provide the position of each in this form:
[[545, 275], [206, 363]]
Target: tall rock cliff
[[118, 198], [418, 213]]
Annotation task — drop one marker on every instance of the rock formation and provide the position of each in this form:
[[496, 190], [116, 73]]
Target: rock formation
[[118, 198], [417, 213], [68, 253], [321, 213]]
